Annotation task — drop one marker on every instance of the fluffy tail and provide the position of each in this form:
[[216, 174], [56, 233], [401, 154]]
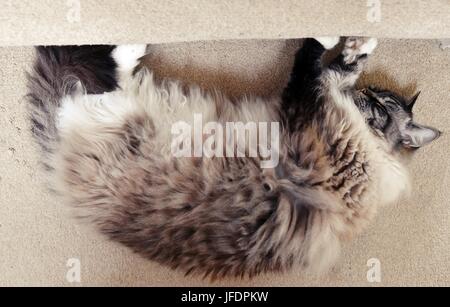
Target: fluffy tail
[[55, 74]]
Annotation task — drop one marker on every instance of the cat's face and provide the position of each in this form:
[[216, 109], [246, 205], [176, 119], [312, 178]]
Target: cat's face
[[390, 115]]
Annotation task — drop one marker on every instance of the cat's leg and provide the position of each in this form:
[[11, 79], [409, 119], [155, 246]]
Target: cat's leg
[[307, 66], [127, 58], [345, 70], [300, 96], [85, 109], [64, 71]]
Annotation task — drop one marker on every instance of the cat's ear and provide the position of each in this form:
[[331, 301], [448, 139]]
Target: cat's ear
[[416, 135], [412, 101]]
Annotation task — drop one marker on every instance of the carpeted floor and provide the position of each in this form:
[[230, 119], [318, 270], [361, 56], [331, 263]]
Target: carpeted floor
[[411, 238]]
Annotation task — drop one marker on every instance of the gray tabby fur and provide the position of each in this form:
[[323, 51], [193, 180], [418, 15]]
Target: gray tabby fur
[[341, 158]]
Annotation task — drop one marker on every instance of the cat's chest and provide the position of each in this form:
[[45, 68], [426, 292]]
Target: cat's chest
[[362, 173], [350, 175]]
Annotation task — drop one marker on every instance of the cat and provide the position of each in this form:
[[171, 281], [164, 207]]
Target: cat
[[104, 126]]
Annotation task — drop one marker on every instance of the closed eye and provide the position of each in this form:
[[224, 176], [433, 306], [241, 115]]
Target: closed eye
[[380, 116], [391, 103], [377, 106]]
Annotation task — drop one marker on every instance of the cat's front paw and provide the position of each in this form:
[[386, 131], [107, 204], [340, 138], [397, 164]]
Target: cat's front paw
[[328, 42], [356, 46], [127, 56]]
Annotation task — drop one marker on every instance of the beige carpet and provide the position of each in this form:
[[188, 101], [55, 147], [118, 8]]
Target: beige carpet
[[411, 238]]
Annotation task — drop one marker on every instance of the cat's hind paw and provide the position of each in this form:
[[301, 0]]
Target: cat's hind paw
[[127, 56], [328, 42]]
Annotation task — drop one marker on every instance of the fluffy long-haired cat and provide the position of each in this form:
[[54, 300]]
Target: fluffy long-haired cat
[[105, 127]]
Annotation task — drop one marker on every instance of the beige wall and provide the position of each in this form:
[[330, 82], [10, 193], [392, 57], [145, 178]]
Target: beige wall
[[134, 21]]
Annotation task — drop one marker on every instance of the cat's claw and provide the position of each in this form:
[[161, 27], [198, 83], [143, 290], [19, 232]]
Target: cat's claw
[[127, 56], [328, 42]]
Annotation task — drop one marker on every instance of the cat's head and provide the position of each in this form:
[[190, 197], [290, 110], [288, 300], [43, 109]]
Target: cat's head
[[391, 116]]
